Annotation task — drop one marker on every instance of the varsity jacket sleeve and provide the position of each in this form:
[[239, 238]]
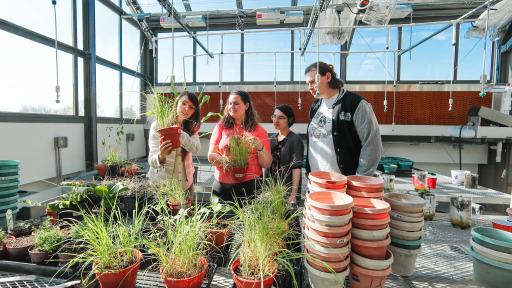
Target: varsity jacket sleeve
[[367, 128]]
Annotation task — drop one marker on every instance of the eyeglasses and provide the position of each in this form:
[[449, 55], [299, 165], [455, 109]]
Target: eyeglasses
[[274, 117]]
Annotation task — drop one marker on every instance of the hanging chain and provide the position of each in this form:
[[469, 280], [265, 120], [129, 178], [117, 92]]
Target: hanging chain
[[57, 87]]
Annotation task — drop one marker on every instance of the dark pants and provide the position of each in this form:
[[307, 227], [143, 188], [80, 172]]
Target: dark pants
[[239, 193]]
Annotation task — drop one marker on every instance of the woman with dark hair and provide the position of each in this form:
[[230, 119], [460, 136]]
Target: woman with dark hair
[[342, 124], [239, 120], [287, 152], [166, 162]]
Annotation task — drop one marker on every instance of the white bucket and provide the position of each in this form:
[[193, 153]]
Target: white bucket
[[320, 279], [404, 261], [458, 177]]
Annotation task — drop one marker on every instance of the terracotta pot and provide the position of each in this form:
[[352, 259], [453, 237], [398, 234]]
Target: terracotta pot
[[366, 189], [175, 207], [313, 188], [334, 187], [326, 266], [332, 221], [370, 206], [172, 134], [191, 282], [370, 235], [327, 254], [37, 257], [249, 283], [370, 216], [325, 177], [53, 215], [365, 181], [369, 226], [326, 231], [330, 200], [371, 222], [371, 264], [101, 169], [218, 237], [327, 212], [126, 278], [364, 278], [357, 194], [375, 250], [337, 242]]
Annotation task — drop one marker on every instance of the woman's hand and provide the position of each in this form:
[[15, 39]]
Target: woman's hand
[[165, 150], [256, 143]]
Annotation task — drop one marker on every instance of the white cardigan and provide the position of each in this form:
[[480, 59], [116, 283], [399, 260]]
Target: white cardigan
[[174, 166]]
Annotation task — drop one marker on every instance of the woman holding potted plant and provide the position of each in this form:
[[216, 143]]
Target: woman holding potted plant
[[236, 139], [167, 159]]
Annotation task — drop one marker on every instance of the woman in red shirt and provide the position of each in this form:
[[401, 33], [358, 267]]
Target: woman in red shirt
[[239, 119]]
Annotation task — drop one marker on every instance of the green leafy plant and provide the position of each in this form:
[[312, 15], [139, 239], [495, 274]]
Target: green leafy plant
[[109, 192], [180, 245], [163, 107], [112, 156], [171, 190], [23, 228], [48, 239]]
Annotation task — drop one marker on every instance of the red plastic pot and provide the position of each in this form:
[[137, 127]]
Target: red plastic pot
[[371, 206], [365, 189], [335, 242], [370, 216], [327, 186], [365, 278], [375, 250], [369, 227], [326, 231], [325, 254], [190, 282], [312, 188], [126, 278], [358, 194], [330, 200], [432, 182], [101, 169], [365, 181], [328, 212], [218, 237], [172, 134], [328, 178], [325, 265], [374, 222], [249, 283]]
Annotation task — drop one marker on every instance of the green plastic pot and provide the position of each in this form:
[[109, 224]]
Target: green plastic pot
[[7, 185], [8, 193], [10, 198], [406, 244], [9, 164], [490, 273], [9, 179], [390, 168], [405, 165], [494, 239]]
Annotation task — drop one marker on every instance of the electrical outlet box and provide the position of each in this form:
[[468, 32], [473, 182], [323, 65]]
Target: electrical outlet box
[[130, 137], [60, 142]]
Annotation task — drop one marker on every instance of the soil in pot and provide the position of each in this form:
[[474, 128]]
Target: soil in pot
[[190, 282], [37, 256], [18, 248]]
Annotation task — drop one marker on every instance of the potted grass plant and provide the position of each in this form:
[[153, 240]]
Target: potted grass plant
[[170, 191], [180, 249], [109, 244], [47, 241], [240, 147], [220, 228], [163, 108]]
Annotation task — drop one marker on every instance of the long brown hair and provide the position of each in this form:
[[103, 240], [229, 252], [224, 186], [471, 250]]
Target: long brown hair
[[323, 68], [250, 120]]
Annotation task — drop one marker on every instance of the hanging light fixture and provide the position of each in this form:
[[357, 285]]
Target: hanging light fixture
[[57, 87]]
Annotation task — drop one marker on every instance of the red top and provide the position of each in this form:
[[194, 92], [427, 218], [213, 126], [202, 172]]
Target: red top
[[221, 136]]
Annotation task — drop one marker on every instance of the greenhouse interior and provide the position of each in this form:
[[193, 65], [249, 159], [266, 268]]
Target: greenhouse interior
[[224, 143]]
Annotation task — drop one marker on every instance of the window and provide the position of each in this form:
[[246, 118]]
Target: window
[[131, 97], [182, 46], [371, 66], [38, 16], [28, 77], [131, 46], [201, 5], [470, 56], [80, 87], [79, 25], [430, 60], [311, 55], [260, 4], [107, 92], [208, 68], [260, 66], [152, 6], [107, 33]]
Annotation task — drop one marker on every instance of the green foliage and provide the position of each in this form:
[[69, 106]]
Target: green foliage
[[162, 107], [180, 244], [171, 190], [239, 151], [112, 156], [48, 239], [23, 228], [109, 192], [2, 236]]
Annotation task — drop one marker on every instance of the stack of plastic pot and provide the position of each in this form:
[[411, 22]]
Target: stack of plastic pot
[[504, 224], [9, 186], [406, 230], [326, 181], [327, 233], [365, 187], [491, 250], [370, 258]]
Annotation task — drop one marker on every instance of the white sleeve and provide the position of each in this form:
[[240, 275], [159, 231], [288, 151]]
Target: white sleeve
[[191, 143], [154, 147]]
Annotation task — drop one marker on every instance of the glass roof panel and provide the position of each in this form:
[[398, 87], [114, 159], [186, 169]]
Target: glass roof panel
[[209, 5], [152, 6], [306, 2]]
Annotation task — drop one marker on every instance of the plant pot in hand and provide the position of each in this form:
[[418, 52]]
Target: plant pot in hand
[[191, 282], [172, 134], [249, 283], [37, 256], [18, 248], [126, 277]]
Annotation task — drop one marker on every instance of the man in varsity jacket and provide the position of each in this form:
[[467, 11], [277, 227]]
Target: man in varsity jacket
[[343, 132]]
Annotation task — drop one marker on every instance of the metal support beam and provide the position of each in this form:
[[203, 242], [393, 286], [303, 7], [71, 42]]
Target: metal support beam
[[398, 60], [145, 27], [322, 5], [76, 108], [239, 4], [172, 11], [425, 39], [455, 72], [186, 4], [295, 2], [90, 120]]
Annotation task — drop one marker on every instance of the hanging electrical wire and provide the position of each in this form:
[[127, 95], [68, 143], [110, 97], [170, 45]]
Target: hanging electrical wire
[[57, 87], [388, 35], [317, 76], [221, 101], [275, 80], [173, 78], [454, 43], [301, 59], [395, 60], [483, 78]]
